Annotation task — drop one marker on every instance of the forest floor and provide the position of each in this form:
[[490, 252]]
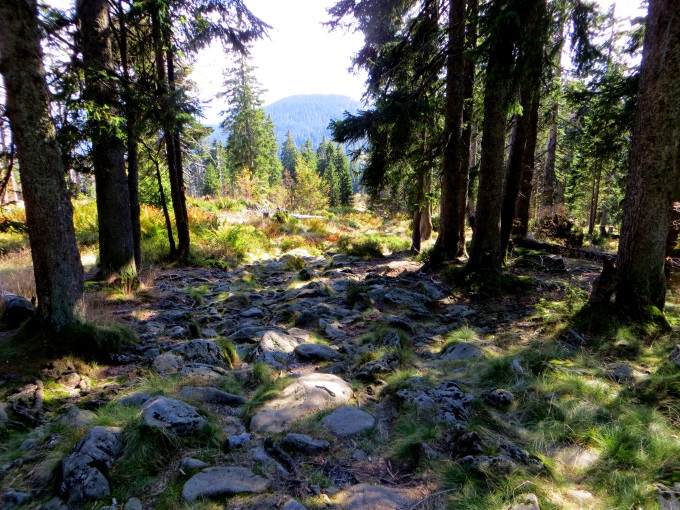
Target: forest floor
[[331, 380]]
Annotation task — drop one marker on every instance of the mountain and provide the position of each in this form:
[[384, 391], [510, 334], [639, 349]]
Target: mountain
[[308, 115], [304, 116]]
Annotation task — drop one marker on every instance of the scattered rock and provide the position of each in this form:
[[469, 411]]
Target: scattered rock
[[15, 309], [499, 398], [675, 355], [275, 348], [177, 332], [167, 363], [206, 374], [83, 472], [12, 499], [462, 351], [446, 401], [252, 313], [306, 395], [137, 399], [188, 464], [78, 418], [527, 501], [373, 369], [133, 504], [348, 421], [210, 395], [293, 505], [621, 372], [412, 300], [201, 351], [668, 499], [172, 415], [304, 444], [56, 503], [373, 497], [316, 352], [235, 442], [217, 482]]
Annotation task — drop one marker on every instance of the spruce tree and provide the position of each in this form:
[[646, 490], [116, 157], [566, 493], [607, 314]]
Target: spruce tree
[[289, 154]]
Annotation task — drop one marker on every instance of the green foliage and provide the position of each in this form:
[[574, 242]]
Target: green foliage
[[371, 245], [356, 292], [85, 222], [238, 241]]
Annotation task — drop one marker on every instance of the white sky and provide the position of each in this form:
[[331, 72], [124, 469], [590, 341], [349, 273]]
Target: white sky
[[301, 56]]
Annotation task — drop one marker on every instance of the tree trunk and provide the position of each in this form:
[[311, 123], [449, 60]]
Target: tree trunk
[[653, 173], [603, 221], [166, 214], [485, 250], [415, 233], [453, 178], [426, 212], [417, 215], [594, 198], [468, 109], [116, 244], [516, 156], [131, 115], [49, 214], [523, 204]]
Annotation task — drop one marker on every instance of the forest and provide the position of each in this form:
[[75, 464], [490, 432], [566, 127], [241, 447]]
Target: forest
[[465, 297]]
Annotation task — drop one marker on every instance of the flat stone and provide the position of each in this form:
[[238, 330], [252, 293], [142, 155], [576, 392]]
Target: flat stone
[[303, 443], [217, 482], [12, 499], [620, 372], [211, 395], [306, 395], [293, 505], [499, 397], [252, 313], [462, 351], [336, 334], [155, 328], [78, 418], [167, 363], [137, 399], [133, 504], [316, 352], [275, 348], [188, 463], [206, 374], [348, 421], [201, 351], [373, 497], [172, 415], [177, 332], [526, 502]]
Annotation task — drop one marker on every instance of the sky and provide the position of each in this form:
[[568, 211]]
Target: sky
[[300, 56]]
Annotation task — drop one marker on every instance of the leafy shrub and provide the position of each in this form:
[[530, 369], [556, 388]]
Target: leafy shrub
[[239, 241]]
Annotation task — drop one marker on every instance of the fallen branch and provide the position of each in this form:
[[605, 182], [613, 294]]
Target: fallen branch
[[564, 251]]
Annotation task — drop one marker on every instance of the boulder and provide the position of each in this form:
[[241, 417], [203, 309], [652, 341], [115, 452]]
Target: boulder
[[373, 497], [675, 355], [527, 501], [83, 472], [447, 401], [302, 443], [133, 504], [12, 499], [316, 352], [167, 363], [188, 464], [499, 397], [306, 395], [348, 421], [211, 395], [216, 482], [291, 504], [15, 309], [172, 415], [275, 348], [202, 373], [137, 399], [462, 351], [201, 351]]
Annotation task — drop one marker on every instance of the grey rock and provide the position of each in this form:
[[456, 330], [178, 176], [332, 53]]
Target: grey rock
[[359, 455], [307, 319], [235, 442], [293, 505], [201, 351], [459, 311], [223, 481], [248, 334], [620, 372], [446, 401], [391, 339], [155, 328], [78, 418], [305, 444], [202, 373], [211, 395], [675, 355], [499, 465], [526, 502], [12, 499], [252, 313], [137, 399], [83, 471], [167, 363], [56, 503], [70, 381], [316, 352], [275, 348], [413, 300], [499, 397], [172, 415], [387, 363], [177, 332], [209, 333], [3, 412], [462, 351], [336, 334], [373, 497], [348, 421], [188, 463], [133, 504], [15, 309], [576, 338], [668, 499], [306, 395], [29, 444]]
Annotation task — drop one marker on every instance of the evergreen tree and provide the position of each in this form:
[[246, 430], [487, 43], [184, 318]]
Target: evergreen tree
[[345, 190], [289, 154], [309, 154], [251, 144]]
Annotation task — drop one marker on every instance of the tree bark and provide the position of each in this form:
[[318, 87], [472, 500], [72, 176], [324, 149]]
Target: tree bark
[[49, 214], [653, 174], [131, 115], [453, 179], [426, 212], [523, 204], [116, 243]]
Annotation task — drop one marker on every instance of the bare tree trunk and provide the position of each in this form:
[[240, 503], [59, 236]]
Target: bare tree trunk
[[415, 233], [426, 212], [594, 198], [49, 214], [653, 175], [603, 221], [116, 244], [523, 203], [453, 178], [166, 214]]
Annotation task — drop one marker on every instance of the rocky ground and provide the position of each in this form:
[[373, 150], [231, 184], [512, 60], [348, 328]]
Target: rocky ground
[[302, 382]]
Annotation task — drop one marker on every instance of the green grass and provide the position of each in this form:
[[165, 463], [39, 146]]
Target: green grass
[[356, 292], [463, 334]]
